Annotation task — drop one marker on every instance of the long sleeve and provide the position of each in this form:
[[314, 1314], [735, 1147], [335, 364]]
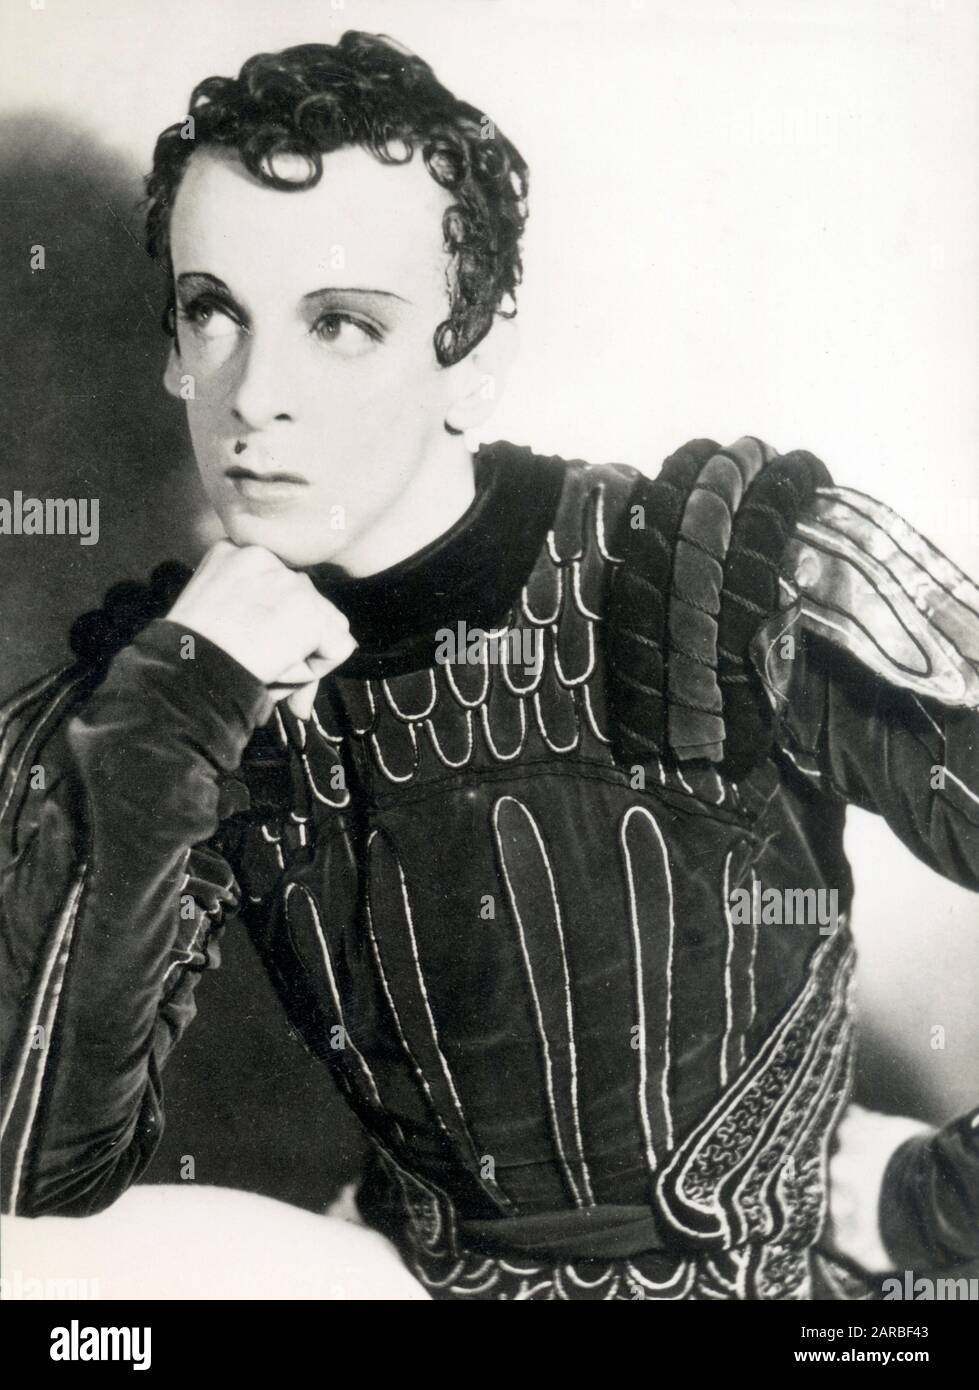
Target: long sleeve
[[872, 671], [911, 760], [916, 763], [111, 904]]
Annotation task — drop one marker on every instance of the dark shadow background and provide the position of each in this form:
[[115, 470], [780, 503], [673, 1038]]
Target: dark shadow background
[[84, 414]]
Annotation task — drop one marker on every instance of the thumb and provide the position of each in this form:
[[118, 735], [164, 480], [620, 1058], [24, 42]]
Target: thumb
[[301, 701]]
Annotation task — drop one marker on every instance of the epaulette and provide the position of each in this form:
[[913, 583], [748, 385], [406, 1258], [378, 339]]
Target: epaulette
[[703, 545], [860, 577]]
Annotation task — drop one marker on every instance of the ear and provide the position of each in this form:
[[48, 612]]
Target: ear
[[172, 376], [481, 376]]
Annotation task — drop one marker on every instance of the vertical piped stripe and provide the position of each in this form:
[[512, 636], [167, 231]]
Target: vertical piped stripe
[[310, 901], [532, 895], [47, 718], [649, 888], [19, 701], [739, 982], [46, 1001], [728, 961], [396, 925]]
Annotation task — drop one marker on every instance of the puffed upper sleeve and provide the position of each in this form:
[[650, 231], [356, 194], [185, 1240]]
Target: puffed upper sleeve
[[872, 670]]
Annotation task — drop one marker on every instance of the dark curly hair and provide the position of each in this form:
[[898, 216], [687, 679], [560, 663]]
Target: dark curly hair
[[365, 90]]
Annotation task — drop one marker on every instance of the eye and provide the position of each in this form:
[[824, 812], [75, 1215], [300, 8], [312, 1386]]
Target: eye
[[346, 335], [208, 319]]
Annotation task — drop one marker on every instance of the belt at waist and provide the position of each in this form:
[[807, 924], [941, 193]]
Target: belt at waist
[[600, 1232]]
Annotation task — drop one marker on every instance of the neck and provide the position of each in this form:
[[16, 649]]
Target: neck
[[437, 495], [471, 571]]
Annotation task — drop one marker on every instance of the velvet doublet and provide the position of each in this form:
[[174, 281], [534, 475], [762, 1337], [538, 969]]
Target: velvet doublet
[[495, 897]]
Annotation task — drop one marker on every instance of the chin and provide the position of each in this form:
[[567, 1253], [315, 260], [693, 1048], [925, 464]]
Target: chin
[[293, 542]]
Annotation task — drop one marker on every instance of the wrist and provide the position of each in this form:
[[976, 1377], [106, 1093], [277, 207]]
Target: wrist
[[202, 681], [169, 689]]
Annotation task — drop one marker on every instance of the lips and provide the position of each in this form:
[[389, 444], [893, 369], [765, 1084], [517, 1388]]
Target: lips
[[263, 477], [271, 487]]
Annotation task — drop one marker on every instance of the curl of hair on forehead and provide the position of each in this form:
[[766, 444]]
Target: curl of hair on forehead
[[366, 90]]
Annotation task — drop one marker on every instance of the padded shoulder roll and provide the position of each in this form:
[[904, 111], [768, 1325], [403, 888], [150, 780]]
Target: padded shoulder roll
[[703, 545]]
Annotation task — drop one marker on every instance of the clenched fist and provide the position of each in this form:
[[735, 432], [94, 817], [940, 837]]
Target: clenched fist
[[269, 618]]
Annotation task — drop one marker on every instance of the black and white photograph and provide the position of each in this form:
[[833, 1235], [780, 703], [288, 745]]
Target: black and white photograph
[[489, 661]]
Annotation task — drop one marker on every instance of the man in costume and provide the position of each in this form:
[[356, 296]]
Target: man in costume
[[500, 898]]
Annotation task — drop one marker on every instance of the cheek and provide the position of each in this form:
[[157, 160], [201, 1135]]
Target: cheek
[[360, 430], [207, 419], [377, 394], [370, 428], [210, 466]]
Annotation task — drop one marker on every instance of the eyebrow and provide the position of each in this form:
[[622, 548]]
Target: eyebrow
[[195, 279]]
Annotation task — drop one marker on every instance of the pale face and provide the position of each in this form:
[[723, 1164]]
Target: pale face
[[306, 323]]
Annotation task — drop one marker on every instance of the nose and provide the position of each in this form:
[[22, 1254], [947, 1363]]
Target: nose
[[264, 388]]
